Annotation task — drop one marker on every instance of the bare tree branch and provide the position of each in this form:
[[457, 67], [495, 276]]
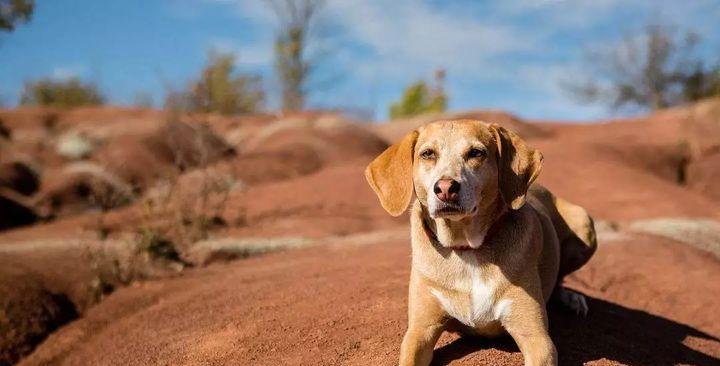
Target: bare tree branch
[[653, 69], [292, 63]]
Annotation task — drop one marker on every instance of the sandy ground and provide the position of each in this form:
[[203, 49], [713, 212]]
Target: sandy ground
[[345, 305]]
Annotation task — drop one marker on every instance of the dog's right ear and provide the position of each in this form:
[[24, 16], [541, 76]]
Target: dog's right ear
[[518, 166], [390, 175]]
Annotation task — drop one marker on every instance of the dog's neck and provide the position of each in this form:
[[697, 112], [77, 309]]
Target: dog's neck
[[470, 231]]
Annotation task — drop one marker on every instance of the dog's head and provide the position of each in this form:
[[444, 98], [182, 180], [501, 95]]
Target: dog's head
[[454, 166]]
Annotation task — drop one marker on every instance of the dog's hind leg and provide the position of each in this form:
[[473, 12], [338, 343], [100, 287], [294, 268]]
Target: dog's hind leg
[[578, 243], [574, 227], [571, 300], [576, 233]]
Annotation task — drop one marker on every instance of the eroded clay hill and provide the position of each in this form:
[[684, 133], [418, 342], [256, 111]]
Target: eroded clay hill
[[132, 247]]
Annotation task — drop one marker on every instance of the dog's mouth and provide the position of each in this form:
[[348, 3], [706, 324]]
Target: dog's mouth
[[462, 248], [450, 210]]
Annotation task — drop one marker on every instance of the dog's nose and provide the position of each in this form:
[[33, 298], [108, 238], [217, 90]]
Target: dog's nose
[[447, 190]]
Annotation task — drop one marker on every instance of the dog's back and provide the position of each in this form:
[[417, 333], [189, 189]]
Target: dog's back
[[573, 225]]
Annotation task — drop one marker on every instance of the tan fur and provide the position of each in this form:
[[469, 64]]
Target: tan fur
[[518, 166], [394, 190], [491, 264]]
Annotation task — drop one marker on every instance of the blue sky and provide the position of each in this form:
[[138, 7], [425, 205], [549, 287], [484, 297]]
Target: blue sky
[[498, 54]]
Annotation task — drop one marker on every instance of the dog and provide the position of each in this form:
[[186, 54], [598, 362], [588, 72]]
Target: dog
[[489, 247]]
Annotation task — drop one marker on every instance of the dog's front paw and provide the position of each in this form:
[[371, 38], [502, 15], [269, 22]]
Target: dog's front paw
[[574, 301]]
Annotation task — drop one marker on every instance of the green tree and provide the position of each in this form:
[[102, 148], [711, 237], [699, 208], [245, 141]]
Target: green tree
[[14, 12], [220, 89], [419, 98], [291, 69], [60, 93]]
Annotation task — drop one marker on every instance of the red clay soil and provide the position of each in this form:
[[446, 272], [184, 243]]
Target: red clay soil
[[334, 201], [29, 313], [622, 170], [345, 305], [14, 210], [19, 177], [704, 175]]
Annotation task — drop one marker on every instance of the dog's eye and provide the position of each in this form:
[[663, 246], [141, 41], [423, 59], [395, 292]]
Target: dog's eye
[[476, 153], [428, 154]]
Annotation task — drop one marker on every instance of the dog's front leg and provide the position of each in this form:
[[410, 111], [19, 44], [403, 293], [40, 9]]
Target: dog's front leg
[[527, 324], [537, 349], [426, 321], [418, 345]]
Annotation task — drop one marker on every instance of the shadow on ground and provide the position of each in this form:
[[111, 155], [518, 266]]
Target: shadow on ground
[[611, 332]]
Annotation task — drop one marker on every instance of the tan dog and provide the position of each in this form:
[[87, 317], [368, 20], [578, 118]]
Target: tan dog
[[483, 261]]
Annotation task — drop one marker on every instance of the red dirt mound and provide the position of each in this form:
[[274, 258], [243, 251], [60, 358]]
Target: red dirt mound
[[346, 305], [15, 211], [19, 177], [394, 130], [4, 131], [27, 118], [291, 148], [704, 175], [333, 201], [667, 161], [134, 161], [80, 187], [55, 119], [334, 141], [524, 128], [703, 125], [693, 133], [141, 159], [188, 146], [622, 170], [28, 313], [283, 162]]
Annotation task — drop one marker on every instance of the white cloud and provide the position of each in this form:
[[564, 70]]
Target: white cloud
[[254, 54], [552, 100], [407, 35], [411, 36], [67, 72], [515, 43], [257, 10]]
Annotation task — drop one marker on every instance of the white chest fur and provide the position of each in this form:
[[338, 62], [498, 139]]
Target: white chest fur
[[471, 298]]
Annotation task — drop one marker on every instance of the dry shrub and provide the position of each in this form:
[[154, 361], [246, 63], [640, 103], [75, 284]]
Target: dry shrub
[[219, 88], [61, 93], [186, 208], [183, 212], [182, 209], [172, 219], [117, 263]]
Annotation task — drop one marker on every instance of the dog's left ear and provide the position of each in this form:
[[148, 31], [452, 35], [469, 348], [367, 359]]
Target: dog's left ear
[[390, 175], [518, 166]]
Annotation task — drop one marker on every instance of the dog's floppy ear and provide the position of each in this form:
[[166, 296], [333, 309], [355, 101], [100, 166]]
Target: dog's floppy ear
[[518, 166], [390, 175]]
